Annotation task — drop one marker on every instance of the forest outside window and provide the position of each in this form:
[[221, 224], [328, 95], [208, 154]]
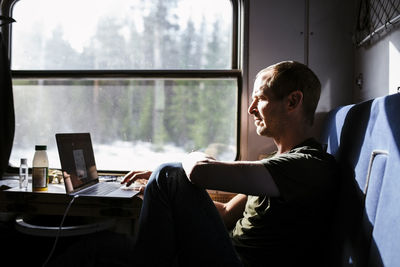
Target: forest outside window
[[150, 80]]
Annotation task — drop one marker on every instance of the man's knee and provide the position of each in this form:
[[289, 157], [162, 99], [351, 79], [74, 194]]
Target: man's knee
[[167, 174]]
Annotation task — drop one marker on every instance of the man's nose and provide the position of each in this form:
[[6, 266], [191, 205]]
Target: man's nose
[[252, 107]]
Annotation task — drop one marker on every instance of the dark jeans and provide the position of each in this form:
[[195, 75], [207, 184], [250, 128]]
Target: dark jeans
[[179, 224]]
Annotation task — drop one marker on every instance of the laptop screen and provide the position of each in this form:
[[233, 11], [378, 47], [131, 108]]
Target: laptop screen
[[77, 160]]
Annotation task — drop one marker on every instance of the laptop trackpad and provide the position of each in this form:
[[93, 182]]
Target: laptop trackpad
[[122, 192]]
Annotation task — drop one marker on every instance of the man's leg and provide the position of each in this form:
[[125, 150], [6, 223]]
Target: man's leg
[[179, 221]]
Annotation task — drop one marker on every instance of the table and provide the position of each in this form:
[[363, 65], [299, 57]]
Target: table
[[55, 202], [17, 201]]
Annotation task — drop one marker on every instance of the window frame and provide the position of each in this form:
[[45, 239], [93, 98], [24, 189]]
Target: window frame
[[236, 70]]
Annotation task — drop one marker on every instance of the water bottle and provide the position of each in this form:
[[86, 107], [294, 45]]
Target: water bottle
[[40, 169], [23, 174]]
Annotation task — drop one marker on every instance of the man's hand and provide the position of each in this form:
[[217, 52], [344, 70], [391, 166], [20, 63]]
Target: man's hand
[[136, 176]]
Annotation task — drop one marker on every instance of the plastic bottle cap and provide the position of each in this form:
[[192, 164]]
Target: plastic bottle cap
[[23, 161], [40, 147]]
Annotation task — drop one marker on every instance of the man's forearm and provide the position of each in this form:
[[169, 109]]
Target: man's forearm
[[232, 211], [190, 161]]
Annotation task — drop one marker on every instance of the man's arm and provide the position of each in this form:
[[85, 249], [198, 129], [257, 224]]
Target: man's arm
[[246, 177], [232, 211]]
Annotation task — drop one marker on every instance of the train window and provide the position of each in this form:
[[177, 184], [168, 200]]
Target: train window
[[150, 80], [122, 34]]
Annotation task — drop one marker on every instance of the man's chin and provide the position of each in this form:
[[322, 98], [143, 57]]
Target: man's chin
[[261, 131]]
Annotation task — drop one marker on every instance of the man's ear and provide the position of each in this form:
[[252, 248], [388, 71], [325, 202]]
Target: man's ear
[[294, 99]]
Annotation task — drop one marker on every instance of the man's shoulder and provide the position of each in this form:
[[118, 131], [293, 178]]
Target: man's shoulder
[[308, 159], [311, 153], [310, 144], [311, 149]]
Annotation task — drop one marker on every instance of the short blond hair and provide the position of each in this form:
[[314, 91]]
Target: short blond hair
[[289, 76]]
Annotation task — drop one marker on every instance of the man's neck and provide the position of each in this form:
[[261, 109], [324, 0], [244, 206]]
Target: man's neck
[[292, 138]]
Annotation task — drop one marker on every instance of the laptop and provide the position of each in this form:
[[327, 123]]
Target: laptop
[[79, 169]]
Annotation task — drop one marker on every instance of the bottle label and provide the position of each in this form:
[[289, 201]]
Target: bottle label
[[39, 178], [23, 177]]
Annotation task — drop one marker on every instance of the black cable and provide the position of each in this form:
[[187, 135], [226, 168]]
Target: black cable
[[59, 230]]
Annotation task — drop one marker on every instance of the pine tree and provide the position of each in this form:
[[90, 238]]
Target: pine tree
[[218, 52], [187, 57], [109, 46], [58, 53], [161, 53]]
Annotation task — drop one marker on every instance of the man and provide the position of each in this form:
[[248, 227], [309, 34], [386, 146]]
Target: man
[[282, 213]]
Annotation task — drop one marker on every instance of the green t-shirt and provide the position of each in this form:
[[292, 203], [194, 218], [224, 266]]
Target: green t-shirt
[[288, 230]]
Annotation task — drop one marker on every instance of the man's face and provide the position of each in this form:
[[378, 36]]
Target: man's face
[[266, 109]]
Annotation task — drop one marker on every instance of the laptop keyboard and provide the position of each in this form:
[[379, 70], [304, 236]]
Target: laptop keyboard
[[100, 189]]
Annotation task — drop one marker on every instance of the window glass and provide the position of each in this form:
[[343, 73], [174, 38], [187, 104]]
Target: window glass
[[134, 123], [122, 34]]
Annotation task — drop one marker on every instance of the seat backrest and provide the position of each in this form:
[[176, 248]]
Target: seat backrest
[[365, 139]]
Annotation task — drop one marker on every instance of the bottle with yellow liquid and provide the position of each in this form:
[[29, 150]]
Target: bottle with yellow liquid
[[40, 169]]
